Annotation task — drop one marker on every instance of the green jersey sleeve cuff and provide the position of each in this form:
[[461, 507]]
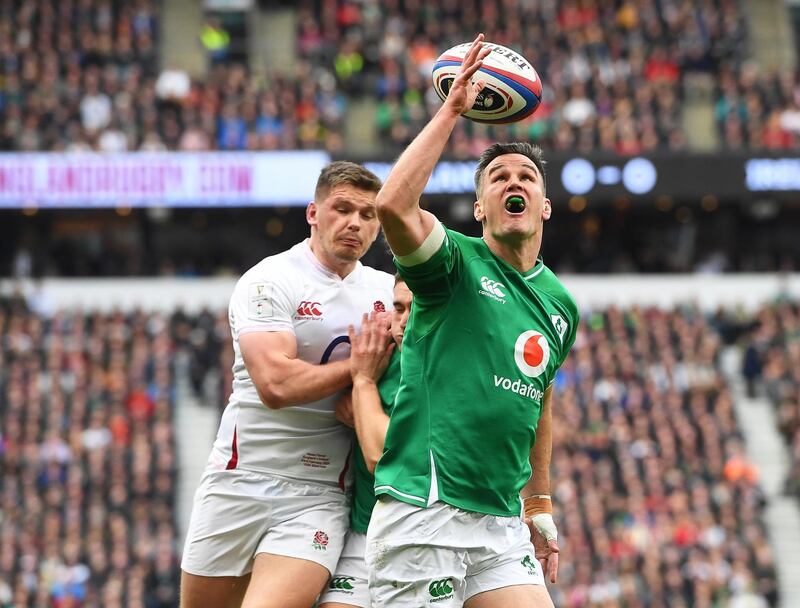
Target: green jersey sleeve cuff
[[431, 244]]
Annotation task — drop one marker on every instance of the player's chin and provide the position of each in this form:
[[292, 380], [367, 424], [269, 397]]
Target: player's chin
[[518, 227], [350, 253]]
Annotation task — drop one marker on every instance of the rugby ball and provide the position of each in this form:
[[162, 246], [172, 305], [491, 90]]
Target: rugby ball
[[512, 91]]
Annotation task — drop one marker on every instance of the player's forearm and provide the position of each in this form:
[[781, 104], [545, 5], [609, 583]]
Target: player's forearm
[[398, 201], [541, 454], [293, 382], [371, 421]]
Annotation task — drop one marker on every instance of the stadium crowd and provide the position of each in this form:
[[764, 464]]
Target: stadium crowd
[[88, 458], [758, 110], [86, 75], [614, 71], [772, 368], [664, 509]]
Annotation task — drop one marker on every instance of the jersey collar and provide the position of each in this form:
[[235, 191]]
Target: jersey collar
[[531, 274], [324, 270]]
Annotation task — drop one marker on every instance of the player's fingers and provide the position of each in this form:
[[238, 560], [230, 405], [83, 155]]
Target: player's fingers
[[374, 339], [553, 544], [543, 563], [552, 567], [467, 74], [351, 333], [473, 51]]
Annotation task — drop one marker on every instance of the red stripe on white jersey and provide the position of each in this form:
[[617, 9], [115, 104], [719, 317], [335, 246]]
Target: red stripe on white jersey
[[346, 468], [234, 453]]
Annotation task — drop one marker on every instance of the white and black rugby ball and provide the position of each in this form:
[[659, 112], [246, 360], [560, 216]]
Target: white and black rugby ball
[[512, 91]]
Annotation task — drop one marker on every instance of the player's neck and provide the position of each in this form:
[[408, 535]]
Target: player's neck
[[520, 254], [333, 264]]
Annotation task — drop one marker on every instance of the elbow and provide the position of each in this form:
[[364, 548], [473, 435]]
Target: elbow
[[371, 462], [384, 205], [271, 395]]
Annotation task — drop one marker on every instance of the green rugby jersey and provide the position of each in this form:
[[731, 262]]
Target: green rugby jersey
[[482, 345], [363, 481]]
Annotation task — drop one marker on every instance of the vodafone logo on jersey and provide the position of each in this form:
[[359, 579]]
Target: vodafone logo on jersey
[[309, 310], [531, 353]]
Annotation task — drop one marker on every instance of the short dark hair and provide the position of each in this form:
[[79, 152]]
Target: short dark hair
[[398, 278], [532, 151], [342, 172]]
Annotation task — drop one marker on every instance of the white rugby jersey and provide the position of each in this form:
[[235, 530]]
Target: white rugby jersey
[[292, 291]]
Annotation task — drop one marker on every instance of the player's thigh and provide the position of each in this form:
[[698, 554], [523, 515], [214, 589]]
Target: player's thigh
[[311, 524], [516, 596], [229, 518], [204, 591], [349, 585], [409, 564], [278, 581], [503, 570]]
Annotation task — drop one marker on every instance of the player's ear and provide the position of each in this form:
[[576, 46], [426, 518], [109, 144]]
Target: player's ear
[[311, 213], [547, 209], [477, 211]]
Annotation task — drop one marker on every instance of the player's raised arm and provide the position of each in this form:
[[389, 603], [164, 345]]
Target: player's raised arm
[[283, 380], [405, 224], [536, 493]]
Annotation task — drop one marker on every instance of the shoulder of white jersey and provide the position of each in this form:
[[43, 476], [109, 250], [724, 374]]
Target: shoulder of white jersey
[[283, 267]]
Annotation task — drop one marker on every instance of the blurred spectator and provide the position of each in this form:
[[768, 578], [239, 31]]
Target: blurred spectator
[[215, 40]]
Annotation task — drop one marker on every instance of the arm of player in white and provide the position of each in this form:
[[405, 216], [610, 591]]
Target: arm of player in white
[[371, 421], [404, 223], [283, 380]]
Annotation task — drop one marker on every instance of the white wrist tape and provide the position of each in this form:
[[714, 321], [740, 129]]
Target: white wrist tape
[[545, 524]]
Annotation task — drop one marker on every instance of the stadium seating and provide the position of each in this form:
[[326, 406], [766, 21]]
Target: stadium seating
[[89, 461]]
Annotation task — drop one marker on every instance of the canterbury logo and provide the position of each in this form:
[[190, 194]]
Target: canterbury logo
[[441, 587], [493, 287], [309, 309], [342, 582]]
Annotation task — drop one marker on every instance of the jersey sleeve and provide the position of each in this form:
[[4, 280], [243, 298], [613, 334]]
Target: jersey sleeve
[[569, 339], [261, 303], [434, 268]]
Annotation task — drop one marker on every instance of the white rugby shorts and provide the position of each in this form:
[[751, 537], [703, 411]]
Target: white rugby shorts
[[349, 584], [441, 556], [238, 514]]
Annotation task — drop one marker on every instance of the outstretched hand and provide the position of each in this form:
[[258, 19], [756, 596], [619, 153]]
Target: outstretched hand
[[463, 91], [371, 348]]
